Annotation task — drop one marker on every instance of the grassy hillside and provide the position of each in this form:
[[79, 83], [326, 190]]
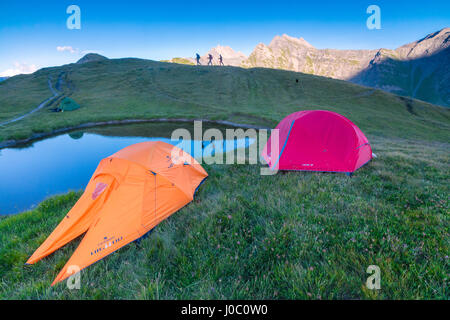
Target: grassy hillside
[[21, 94], [293, 235], [133, 88]]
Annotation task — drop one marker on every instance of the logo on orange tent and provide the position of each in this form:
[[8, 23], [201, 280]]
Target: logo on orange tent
[[99, 188]]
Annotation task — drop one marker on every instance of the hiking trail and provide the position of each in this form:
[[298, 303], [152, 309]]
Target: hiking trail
[[56, 95]]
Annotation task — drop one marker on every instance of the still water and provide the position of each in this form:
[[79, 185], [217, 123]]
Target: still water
[[66, 162]]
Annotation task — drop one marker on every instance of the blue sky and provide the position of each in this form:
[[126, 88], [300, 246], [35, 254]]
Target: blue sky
[[31, 31]]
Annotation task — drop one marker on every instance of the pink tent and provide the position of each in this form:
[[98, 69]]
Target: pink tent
[[318, 140]]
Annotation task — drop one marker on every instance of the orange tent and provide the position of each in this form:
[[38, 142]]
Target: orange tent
[[130, 193]]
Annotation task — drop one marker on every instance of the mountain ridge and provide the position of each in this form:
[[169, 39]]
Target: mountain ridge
[[418, 69]]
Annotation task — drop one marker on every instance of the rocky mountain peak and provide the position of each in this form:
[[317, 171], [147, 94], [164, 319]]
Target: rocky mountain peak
[[300, 41], [418, 69], [431, 44], [227, 52], [284, 39], [91, 57]]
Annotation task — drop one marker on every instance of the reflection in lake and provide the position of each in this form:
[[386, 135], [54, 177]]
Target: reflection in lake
[[66, 162]]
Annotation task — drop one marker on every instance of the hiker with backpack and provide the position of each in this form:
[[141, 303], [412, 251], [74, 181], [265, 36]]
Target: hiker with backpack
[[210, 57]]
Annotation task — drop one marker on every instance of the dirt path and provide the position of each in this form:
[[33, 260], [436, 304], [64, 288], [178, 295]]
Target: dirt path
[[56, 94]]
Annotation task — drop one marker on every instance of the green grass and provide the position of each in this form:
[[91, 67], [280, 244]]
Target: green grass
[[22, 94], [133, 88], [293, 235]]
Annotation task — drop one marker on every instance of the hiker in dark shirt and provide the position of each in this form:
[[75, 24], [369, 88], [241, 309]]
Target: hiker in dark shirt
[[221, 60], [210, 57], [198, 59]]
